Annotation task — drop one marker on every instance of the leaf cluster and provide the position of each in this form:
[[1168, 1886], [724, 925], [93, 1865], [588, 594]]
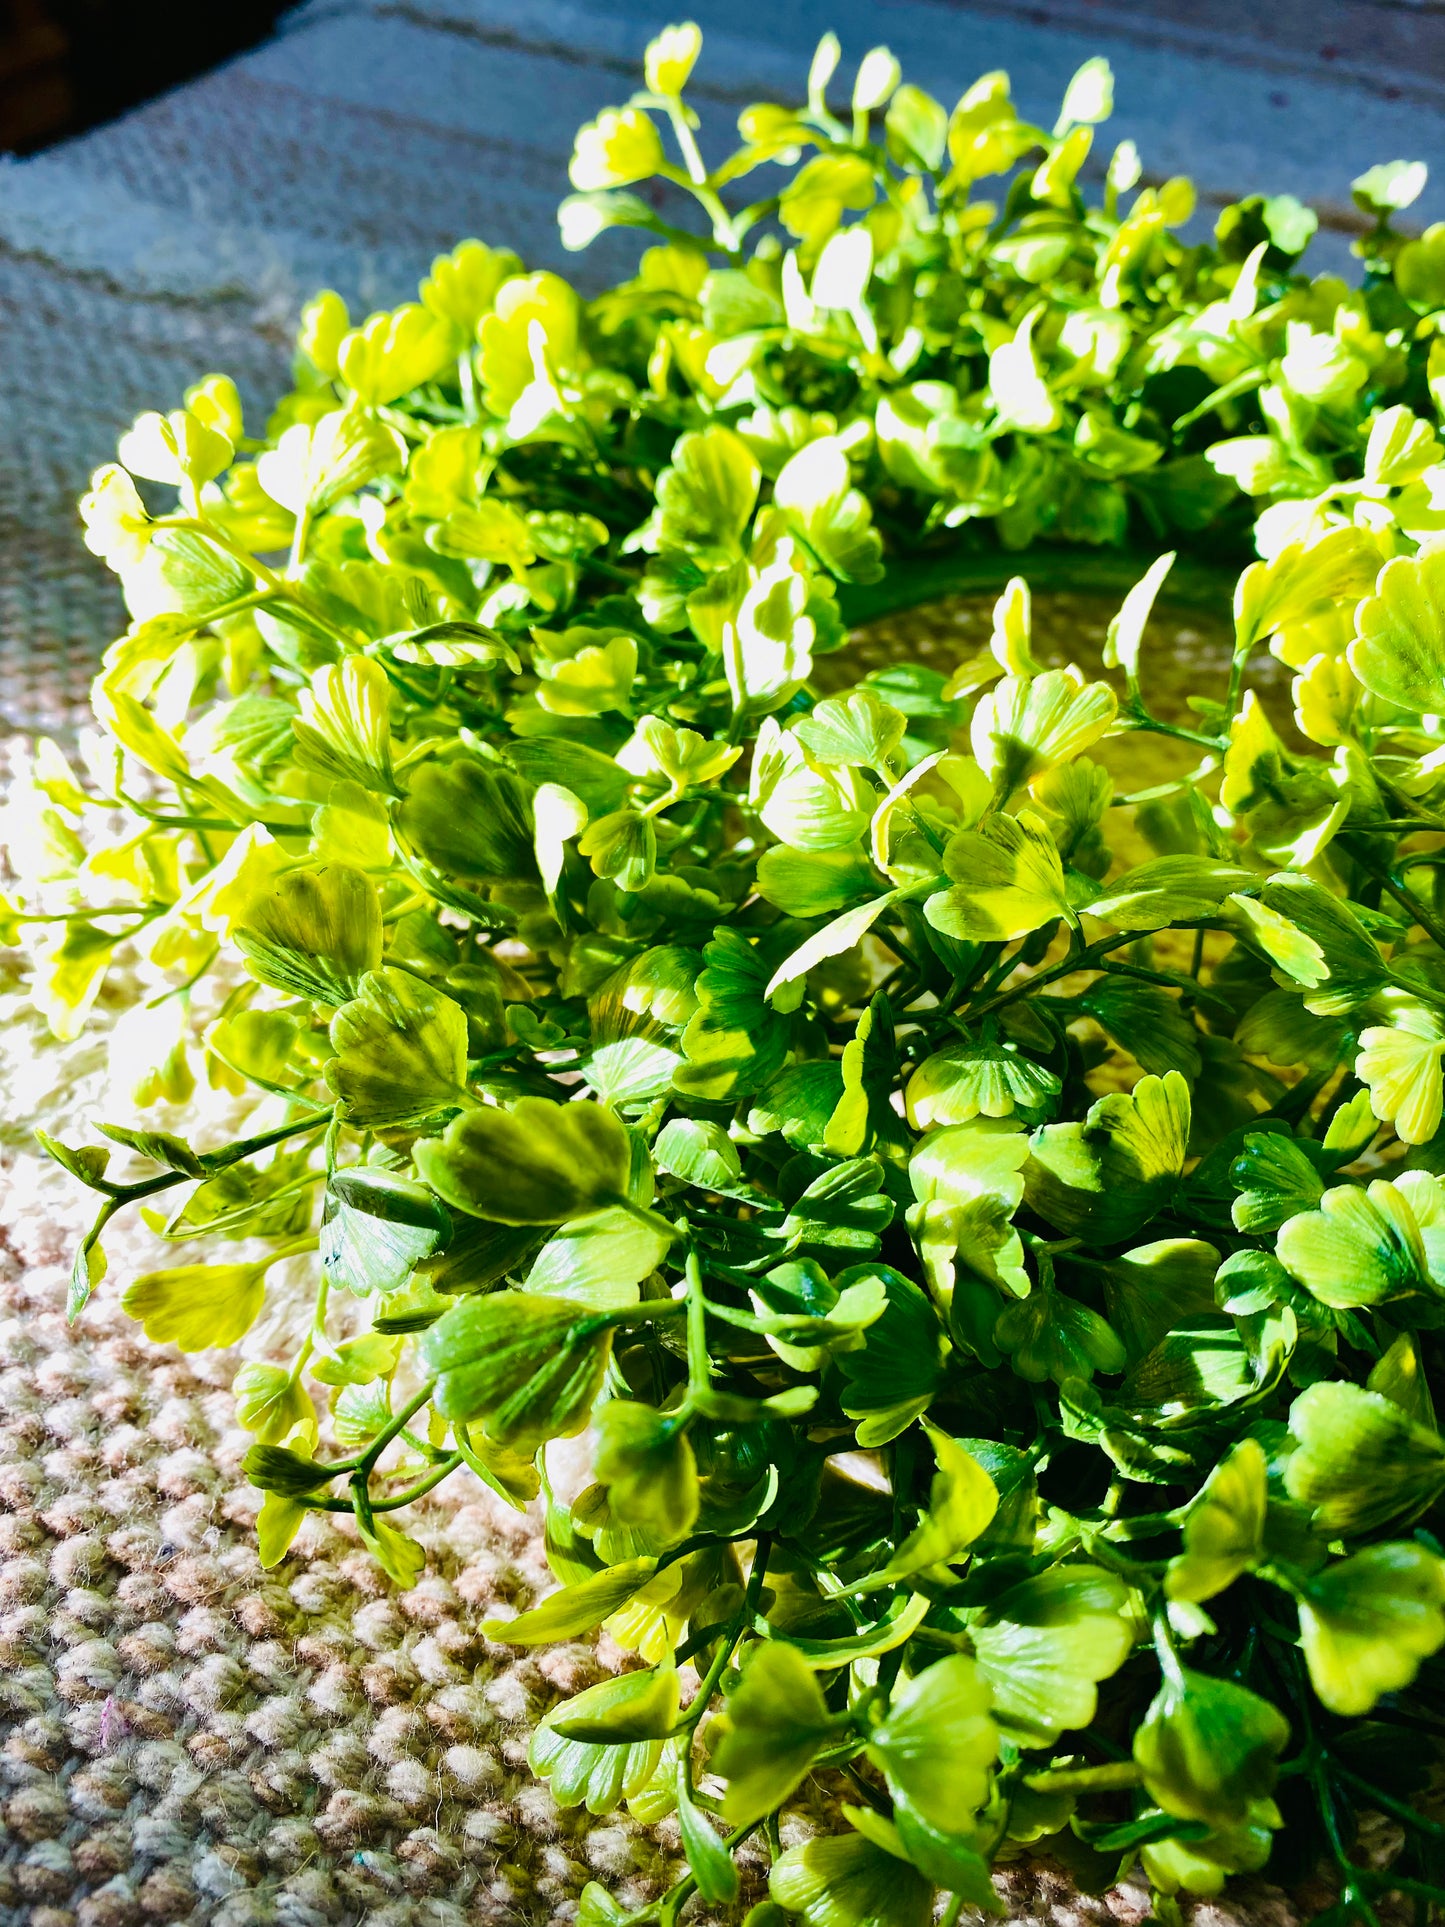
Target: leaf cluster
[[991, 1227]]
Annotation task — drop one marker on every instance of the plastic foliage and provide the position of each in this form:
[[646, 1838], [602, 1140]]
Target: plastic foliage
[[989, 1225]]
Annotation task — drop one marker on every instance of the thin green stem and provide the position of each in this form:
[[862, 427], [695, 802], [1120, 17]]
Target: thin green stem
[[1377, 1797], [214, 1161], [443, 1469], [699, 1360], [1112, 1778], [394, 1424], [1387, 880], [1084, 959]]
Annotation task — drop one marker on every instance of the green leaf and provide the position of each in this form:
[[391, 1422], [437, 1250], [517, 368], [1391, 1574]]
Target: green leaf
[[477, 1255], [1319, 942], [462, 286], [965, 1081], [917, 128], [1105, 1178], [905, 1613], [635, 1706], [1303, 581], [813, 883], [1367, 1623], [1399, 647], [844, 1880], [270, 1403], [376, 1227], [859, 731], [1202, 1362], [815, 491], [632, 1073], [1028, 724], [1401, 447], [197, 1307], [176, 448], [846, 1209], [401, 1052], [1196, 1860], [313, 933], [1044, 1645], [736, 1041], [1049, 1335], [844, 933], [622, 145], [1276, 1179], [1021, 396], [708, 1860], [706, 498], [622, 846], [962, 1500], [669, 59], [511, 1475], [87, 1162], [811, 1316], [773, 1724], [277, 1524], [899, 1367], [1008, 881], [581, 1773], [1224, 1528], [937, 1742], [257, 1044], [1403, 1064], [399, 1556], [1359, 1461], [1145, 1020], [1361, 1247], [1126, 630], [393, 353], [1400, 1374], [273, 1468], [600, 1260], [967, 1180], [595, 1906], [646, 1462], [576, 1609], [597, 779], [538, 1163], [1171, 889], [358, 1361], [343, 730], [471, 819], [700, 1153], [1152, 1288], [812, 203], [1389, 187], [1208, 1748], [529, 1368]]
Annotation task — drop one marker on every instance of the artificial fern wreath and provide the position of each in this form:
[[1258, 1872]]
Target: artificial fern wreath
[[985, 1208]]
